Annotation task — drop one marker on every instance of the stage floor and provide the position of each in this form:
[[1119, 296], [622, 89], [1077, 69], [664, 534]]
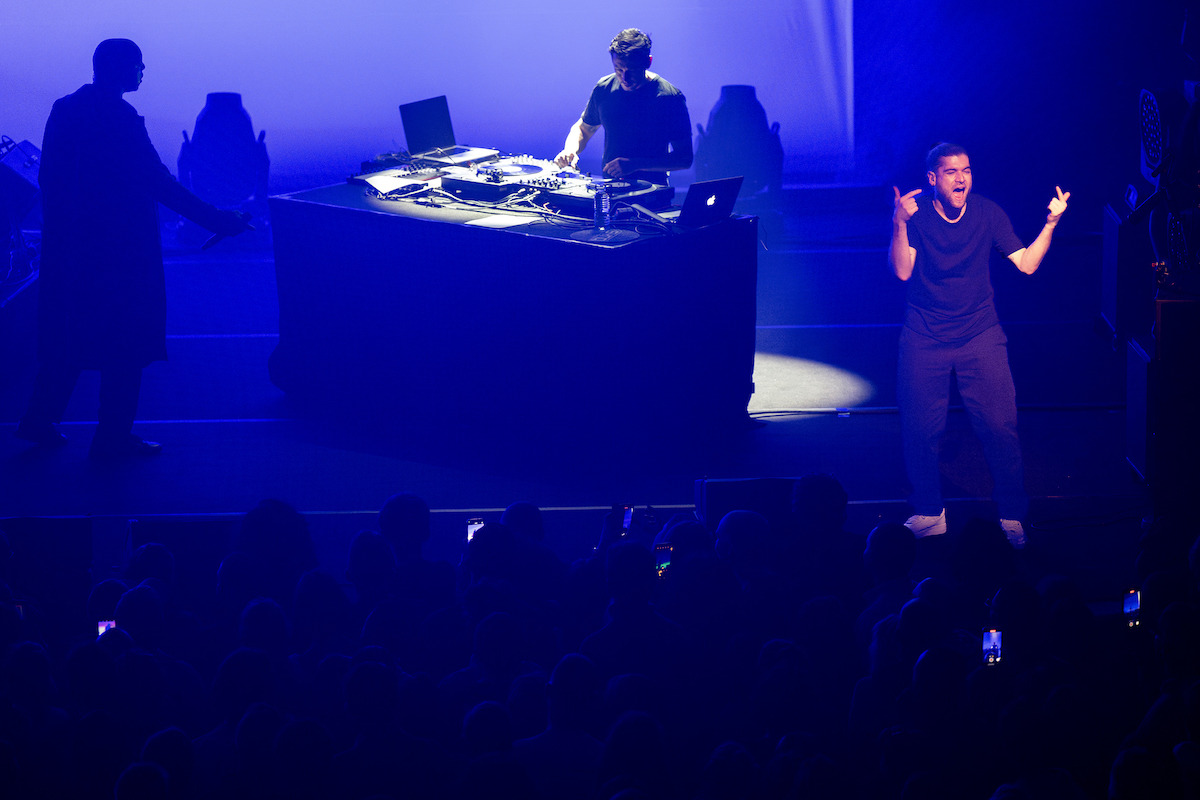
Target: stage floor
[[828, 313]]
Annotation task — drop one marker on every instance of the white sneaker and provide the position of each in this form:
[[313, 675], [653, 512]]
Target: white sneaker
[[1014, 532], [923, 525]]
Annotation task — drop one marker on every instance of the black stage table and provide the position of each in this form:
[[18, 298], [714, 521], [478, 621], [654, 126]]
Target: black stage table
[[402, 309]]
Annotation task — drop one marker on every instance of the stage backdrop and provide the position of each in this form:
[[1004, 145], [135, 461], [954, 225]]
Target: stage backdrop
[[325, 79]]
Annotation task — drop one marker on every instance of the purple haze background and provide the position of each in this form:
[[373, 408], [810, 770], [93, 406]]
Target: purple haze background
[[325, 79]]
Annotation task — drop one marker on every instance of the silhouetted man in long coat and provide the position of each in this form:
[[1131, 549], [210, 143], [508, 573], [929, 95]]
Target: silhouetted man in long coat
[[102, 296]]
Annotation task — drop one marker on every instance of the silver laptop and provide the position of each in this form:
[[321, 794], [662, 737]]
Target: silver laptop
[[707, 203], [430, 136]]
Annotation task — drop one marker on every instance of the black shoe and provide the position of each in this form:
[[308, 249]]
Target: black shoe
[[130, 447], [43, 434]]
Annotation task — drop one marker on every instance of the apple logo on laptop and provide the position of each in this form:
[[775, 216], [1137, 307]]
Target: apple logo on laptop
[[712, 200]]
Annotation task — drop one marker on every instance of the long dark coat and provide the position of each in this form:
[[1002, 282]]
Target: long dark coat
[[102, 296]]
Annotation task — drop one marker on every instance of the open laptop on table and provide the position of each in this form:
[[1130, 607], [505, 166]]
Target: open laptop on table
[[430, 135], [707, 202]]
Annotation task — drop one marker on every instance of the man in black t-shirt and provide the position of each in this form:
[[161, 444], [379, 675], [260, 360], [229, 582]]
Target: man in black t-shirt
[[940, 247], [647, 131]]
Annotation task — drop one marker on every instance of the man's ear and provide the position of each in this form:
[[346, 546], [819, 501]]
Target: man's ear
[[932, 178], [649, 61]]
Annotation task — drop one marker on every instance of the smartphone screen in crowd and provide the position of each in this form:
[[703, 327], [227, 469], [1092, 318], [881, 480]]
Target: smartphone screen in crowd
[[625, 515], [1132, 607], [662, 559], [991, 647]]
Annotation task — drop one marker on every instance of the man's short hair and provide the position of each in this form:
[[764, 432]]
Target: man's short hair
[[114, 56], [631, 44], [404, 517], [940, 151]]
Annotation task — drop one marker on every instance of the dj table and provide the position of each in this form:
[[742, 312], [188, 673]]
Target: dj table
[[403, 309]]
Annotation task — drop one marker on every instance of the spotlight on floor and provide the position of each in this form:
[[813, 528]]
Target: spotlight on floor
[[784, 382]]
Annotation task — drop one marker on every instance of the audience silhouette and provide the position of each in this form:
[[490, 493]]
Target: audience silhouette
[[771, 660]]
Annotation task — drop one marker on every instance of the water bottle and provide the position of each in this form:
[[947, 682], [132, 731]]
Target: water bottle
[[601, 209]]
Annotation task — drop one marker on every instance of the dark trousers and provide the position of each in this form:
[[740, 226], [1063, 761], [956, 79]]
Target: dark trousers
[[119, 390], [926, 367]]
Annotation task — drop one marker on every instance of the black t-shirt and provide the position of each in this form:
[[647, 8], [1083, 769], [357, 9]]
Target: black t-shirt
[[950, 294], [641, 123]]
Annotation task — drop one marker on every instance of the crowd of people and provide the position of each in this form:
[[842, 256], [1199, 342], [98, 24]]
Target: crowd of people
[[767, 660]]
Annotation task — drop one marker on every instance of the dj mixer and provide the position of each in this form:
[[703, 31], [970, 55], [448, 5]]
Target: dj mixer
[[492, 181]]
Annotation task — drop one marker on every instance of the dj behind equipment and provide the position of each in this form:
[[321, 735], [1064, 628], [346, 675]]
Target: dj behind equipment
[[439, 172]]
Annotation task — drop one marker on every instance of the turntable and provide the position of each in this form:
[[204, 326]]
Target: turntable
[[577, 197], [495, 180], [564, 189]]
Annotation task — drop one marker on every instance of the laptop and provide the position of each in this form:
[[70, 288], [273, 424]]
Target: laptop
[[430, 135], [707, 203]]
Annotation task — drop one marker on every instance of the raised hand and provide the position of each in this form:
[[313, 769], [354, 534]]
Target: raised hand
[[905, 206], [1058, 205]]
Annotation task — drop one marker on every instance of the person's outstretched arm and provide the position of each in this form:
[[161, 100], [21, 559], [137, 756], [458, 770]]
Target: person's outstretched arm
[[162, 186], [1028, 259], [577, 139], [901, 256]]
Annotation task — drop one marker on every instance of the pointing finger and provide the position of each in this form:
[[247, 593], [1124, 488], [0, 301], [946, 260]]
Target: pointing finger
[[913, 193]]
